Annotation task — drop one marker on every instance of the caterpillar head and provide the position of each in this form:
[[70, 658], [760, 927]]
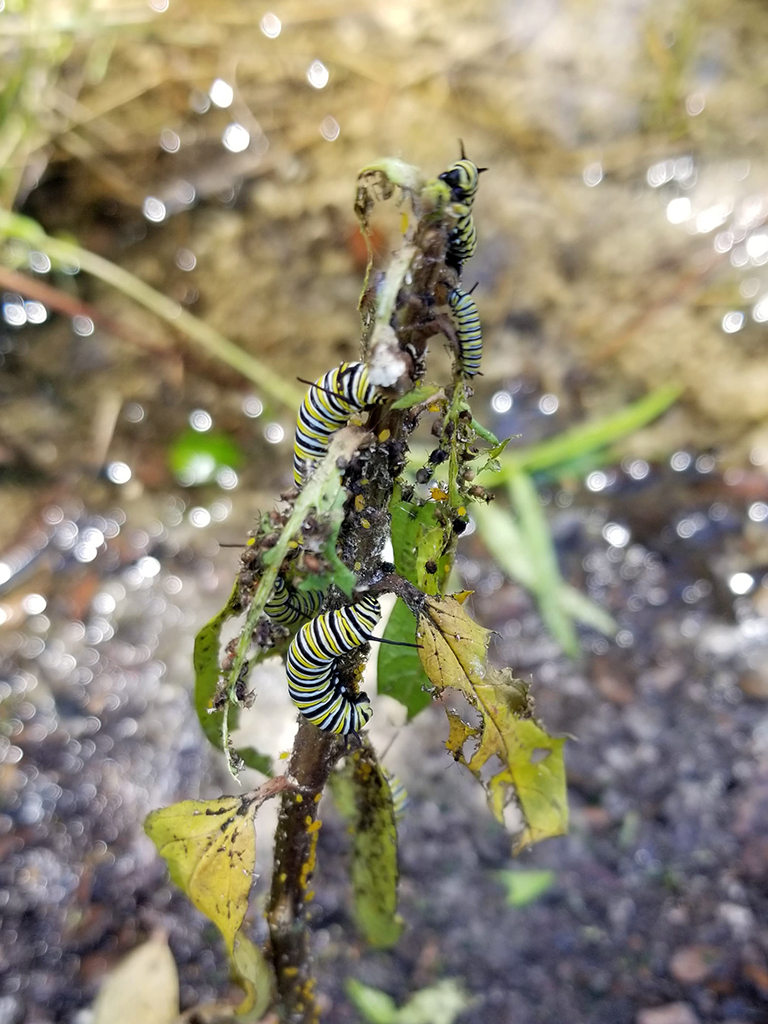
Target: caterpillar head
[[462, 178]]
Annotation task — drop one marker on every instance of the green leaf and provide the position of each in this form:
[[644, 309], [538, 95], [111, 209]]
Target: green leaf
[[254, 975], [210, 849], [399, 670], [377, 1007], [205, 659], [421, 393], [252, 758], [454, 654], [374, 852], [503, 539], [339, 574], [486, 434], [419, 534], [523, 887], [547, 579], [195, 457], [439, 1004], [143, 987]]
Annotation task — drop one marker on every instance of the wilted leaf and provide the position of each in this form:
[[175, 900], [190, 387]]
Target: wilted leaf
[[254, 976], [399, 671], [523, 887], [144, 987], [210, 849], [374, 852], [207, 672], [439, 1004], [421, 393], [454, 654]]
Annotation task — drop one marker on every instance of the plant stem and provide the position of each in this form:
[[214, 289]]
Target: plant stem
[[314, 755], [13, 225]]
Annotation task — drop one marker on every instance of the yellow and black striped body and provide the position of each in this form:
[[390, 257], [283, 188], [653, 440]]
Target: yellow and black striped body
[[312, 666], [398, 792], [287, 605], [463, 178], [326, 408], [468, 330]]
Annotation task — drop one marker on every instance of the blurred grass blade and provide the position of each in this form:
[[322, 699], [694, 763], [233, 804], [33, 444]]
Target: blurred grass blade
[[24, 229], [538, 540], [586, 437], [505, 543]]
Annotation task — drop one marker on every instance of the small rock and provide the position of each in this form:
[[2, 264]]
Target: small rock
[[672, 1013], [739, 919], [754, 684], [692, 964], [758, 975]]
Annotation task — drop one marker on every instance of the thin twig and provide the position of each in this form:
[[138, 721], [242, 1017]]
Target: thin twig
[[208, 338]]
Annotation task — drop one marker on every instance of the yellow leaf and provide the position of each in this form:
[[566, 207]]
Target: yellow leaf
[[531, 773], [210, 849], [254, 977], [144, 987]]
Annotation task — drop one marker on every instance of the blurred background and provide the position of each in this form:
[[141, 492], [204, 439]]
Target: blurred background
[[187, 173]]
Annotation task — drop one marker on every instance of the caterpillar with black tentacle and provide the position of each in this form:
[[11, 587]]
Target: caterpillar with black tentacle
[[312, 666], [468, 330], [327, 407], [288, 605], [463, 178]]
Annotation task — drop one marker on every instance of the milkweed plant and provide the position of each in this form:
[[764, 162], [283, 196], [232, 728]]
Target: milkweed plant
[[308, 587]]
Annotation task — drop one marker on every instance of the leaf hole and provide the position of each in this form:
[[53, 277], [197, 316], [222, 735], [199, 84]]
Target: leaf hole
[[539, 754]]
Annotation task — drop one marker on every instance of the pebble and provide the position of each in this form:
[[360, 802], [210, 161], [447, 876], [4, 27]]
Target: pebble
[[692, 964], [672, 1013]]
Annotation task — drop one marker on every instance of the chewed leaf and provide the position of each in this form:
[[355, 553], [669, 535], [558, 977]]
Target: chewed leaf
[[530, 771], [210, 849], [374, 849], [420, 535]]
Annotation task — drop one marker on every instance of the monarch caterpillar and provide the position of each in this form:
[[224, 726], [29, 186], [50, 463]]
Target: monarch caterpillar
[[462, 178], [327, 406], [468, 329], [312, 666], [287, 605], [398, 793]]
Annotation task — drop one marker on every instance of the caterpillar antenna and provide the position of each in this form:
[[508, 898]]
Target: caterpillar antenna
[[393, 643], [314, 384]]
